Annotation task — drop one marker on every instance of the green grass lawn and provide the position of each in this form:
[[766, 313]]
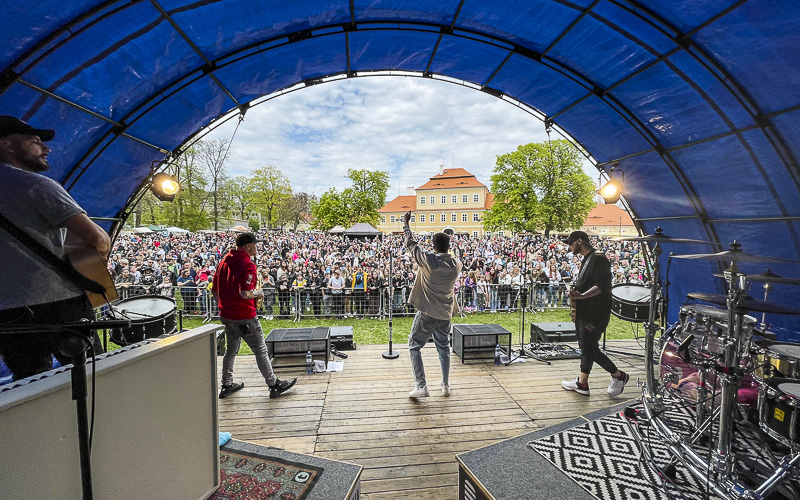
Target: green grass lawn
[[373, 331]]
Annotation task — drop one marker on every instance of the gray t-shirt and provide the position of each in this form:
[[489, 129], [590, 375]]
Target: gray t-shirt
[[37, 205]]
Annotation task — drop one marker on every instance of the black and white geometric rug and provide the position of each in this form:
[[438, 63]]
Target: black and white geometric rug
[[603, 457]]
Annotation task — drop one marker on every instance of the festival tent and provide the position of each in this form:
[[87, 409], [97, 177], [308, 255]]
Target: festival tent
[[173, 229], [693, 103], [143, 230], [362, 229], [336, 230]]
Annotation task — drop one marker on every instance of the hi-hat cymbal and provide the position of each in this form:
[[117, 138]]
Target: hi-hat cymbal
[[767, 277], [735, 254], [659, 237], [745, 303]]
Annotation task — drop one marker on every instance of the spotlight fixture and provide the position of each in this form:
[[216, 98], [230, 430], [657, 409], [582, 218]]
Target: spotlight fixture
[[164, 187], [612, 189]]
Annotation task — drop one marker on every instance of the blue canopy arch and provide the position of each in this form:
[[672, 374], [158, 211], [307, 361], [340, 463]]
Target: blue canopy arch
[[694, 100]]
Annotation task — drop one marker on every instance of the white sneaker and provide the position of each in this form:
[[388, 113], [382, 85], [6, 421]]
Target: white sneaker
[[617, 385], [445, 390], [419, 392], [574, 385]]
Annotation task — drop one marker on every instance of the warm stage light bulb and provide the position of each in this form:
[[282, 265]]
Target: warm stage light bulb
[[170, 186]]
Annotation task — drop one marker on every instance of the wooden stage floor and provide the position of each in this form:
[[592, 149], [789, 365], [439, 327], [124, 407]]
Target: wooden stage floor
[[363, 414]]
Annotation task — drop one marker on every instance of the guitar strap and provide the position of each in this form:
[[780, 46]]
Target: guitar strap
[[61, 266]]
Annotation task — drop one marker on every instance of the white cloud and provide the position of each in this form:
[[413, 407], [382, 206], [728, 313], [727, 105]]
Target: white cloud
[[406, 126]]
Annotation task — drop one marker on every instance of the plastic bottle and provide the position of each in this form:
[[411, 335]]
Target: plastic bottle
[[497, 353], [309, 363]]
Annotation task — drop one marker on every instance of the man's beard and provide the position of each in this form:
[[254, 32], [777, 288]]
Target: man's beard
[[37, 165]]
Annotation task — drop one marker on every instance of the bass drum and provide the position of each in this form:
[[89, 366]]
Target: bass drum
[[681, 379], [151, 316], [631, 302]]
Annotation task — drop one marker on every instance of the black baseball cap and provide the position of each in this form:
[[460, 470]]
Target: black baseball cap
[[246, 238], [10, 125], [576, 235]]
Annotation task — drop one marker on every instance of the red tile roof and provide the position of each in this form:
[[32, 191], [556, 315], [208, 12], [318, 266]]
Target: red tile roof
[[400, 204], [452, 178], [607, 215]]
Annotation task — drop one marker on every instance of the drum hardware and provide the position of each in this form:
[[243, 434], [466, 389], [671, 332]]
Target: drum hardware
[[150, 316], [658, 236], [744, 303], [766, 277]]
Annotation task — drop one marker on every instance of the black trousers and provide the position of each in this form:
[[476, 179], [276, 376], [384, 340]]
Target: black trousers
[[589, 335], [30, 353]]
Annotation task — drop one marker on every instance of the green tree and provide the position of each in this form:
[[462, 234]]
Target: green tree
[[368, 193], [212, 155], [540, 186], [329, 211], [269, 188], [296, 209]]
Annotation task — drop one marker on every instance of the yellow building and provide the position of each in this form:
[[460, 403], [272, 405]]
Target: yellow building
[[453, 199]]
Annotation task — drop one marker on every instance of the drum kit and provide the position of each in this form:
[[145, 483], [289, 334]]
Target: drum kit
[[718, 361]]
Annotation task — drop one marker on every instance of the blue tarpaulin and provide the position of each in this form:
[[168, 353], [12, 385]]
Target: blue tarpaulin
[[694, 100]]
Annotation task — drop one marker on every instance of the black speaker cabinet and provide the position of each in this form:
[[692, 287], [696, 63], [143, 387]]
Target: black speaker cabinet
[[553, 333]]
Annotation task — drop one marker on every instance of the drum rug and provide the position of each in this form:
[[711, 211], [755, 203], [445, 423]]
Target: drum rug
[[247, 476], [603, 457]]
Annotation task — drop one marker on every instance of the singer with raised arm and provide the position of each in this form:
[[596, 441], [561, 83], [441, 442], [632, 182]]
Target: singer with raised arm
[[34, 292], [432, 295], [591, 295]]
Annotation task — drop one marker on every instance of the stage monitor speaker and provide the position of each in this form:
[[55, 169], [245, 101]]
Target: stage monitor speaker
[[553, 332]]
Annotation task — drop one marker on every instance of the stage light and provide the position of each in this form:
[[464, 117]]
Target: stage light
[[612, 189], [164, 187]]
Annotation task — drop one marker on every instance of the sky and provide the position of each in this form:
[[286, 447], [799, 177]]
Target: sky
[[405, 126]]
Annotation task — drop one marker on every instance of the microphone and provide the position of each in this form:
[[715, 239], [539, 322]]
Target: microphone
[[631, 413], [683, 349]]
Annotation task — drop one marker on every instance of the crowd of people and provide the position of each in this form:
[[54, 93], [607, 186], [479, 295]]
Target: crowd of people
[[336, 276]]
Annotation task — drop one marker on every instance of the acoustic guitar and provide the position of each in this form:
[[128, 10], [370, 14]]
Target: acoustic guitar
[[88, 261]]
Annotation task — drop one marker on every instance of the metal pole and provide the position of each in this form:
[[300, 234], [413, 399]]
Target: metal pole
[[390, 354]]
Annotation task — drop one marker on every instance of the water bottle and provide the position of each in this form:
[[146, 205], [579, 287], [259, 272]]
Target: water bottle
[[309, 363], [497, 353]]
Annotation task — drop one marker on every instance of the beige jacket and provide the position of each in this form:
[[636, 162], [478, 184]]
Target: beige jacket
[[432, 292]]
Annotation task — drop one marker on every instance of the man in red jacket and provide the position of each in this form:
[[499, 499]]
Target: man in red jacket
[[234, 288]]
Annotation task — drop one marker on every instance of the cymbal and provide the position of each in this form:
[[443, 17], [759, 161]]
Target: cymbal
[[735, 254], [767, 277], [746, 303], [658, 236]]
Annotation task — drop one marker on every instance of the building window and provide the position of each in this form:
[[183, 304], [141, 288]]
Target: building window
[[422, 217], [475, 233], [443, 218], [453, 218], [413, 217], [464, 198], [444, 199], [476, 218], [501, 233], [421, 200], [463, 217], [433, 199], [476, 198], [454, 199], [391, 218], [383, 218]]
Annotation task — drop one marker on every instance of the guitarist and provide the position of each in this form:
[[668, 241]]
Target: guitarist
[[33, 292], [591, 295]]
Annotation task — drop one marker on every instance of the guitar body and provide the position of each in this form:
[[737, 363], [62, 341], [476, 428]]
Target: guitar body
[[88, 261], [573, 306]]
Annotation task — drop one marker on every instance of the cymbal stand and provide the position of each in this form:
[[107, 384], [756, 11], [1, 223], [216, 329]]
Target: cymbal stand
[[650, 377], [767, 289], [723, 459]]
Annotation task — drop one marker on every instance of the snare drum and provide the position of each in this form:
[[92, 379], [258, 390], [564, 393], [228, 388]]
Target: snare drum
[[151, 316], [782, 356], [779, 410], [631, 302]]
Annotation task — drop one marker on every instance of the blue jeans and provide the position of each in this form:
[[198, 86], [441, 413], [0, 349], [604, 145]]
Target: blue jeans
[[250, 331], [423, 327]]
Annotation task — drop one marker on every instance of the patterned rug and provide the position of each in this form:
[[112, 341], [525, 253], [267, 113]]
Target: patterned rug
[[603, 457], [249, 476]]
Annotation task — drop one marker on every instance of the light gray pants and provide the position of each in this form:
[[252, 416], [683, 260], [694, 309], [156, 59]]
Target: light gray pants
[[250, 331], [423, 327]]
